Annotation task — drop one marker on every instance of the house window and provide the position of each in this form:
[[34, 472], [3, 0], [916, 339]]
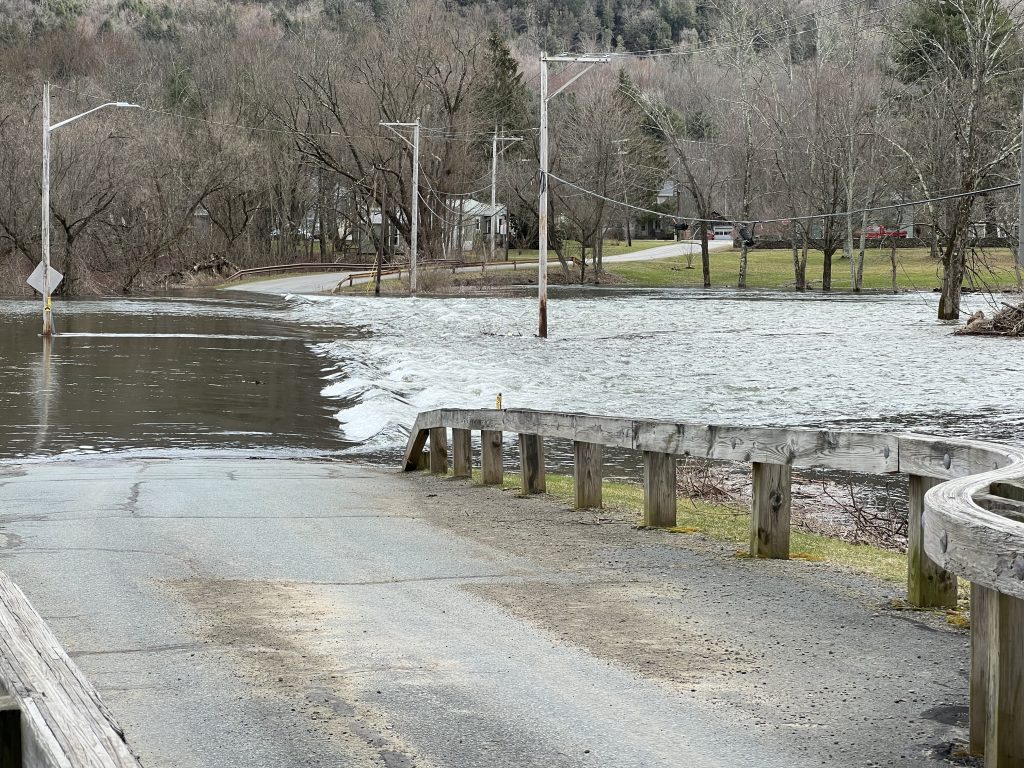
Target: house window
[[487, 225]]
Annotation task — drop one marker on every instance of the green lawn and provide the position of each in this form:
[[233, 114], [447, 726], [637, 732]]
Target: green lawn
[[915, 270], [611, 248]]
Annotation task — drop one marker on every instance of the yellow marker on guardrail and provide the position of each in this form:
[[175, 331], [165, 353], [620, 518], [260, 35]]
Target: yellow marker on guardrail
[[497, 401]]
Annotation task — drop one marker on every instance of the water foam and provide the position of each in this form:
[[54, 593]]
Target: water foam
[[727, 358]]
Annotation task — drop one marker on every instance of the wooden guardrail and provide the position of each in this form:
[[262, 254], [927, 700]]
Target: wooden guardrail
[[966, 514], [50, 715]]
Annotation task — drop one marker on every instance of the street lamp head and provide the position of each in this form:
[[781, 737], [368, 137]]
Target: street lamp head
[[127, 104]]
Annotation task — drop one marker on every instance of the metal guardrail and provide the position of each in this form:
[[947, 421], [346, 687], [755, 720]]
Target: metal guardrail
[[300, 267], [361, 270], [966, 514]]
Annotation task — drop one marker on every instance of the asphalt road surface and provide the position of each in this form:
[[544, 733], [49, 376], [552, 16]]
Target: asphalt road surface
[[269, 614], [326, 283]]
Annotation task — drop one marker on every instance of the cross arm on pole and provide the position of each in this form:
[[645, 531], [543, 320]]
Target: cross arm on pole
[[392, 126]]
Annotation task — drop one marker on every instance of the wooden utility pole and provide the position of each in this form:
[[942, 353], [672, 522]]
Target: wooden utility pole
[[494, 184], [542, 208], [380, 238], [414, 203]]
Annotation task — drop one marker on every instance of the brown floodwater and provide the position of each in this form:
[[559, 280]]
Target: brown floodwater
[[164, 374]]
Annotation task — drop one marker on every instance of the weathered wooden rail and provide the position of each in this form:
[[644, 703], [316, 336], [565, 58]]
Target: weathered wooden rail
[[966, 514], [50, 715]]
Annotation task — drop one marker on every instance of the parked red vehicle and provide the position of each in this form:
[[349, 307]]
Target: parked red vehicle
[[877, 232]]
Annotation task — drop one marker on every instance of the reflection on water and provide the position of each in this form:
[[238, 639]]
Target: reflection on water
[[167, 374]]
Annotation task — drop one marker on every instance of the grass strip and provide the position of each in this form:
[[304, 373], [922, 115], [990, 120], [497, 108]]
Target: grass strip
[[732, 525]]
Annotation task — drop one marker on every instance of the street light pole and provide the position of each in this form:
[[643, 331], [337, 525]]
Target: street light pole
[[44, 230], [542, 213]]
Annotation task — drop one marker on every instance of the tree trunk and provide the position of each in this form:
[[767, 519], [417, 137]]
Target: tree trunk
[[743, 265], [803, 261], [892, 263], [857, 275], [826, 270], [705, 254], [953, 266], [799, 265]]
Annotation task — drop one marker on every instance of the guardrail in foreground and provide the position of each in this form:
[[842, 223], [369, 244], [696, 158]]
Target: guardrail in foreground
[[966, 514], [50, 715]]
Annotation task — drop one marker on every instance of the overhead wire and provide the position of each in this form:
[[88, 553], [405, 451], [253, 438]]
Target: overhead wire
[[803, 217]]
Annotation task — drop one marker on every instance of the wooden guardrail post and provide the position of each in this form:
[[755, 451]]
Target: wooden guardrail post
[[491, 457], [659, 489], [770, 511], [982, 600], [462, 453], [439, 451], [997, 685], [531, 462], [928, 585], [587, 474]]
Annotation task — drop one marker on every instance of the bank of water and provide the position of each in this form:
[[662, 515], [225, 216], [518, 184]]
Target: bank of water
[[346, 375]]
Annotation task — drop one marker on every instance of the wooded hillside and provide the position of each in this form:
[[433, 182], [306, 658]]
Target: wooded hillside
[[260, 141]]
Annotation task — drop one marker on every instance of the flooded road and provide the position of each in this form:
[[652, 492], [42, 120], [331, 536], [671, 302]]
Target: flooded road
[[347, 374], [162, 374]]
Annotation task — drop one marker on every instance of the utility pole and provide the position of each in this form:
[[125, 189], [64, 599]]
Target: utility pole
[[622, 173], [378, 259], [414, 206], [414, 214], [1020, 213], [542, 180], [494, 181], [45, 229]]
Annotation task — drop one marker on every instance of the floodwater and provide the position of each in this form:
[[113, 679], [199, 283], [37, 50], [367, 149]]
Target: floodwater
[[167, 375], [347, 374]]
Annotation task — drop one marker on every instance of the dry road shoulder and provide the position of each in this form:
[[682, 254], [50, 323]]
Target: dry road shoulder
[[267, 613]]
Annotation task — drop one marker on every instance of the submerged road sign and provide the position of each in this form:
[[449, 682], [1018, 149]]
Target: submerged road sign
[[36, 278]]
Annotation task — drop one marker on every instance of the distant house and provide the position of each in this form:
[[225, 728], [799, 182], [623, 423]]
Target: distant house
[[201, 222], [472, 222]]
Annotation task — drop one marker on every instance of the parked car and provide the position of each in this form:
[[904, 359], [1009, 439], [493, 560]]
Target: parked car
[[877, 232]]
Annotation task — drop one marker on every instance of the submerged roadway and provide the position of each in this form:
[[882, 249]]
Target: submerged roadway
[[265, 613]]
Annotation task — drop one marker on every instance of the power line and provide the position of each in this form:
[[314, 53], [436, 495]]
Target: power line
[[807, 217]]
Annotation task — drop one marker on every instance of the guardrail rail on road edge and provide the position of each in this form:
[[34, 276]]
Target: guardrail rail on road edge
[[966, 514], [50, 715]]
